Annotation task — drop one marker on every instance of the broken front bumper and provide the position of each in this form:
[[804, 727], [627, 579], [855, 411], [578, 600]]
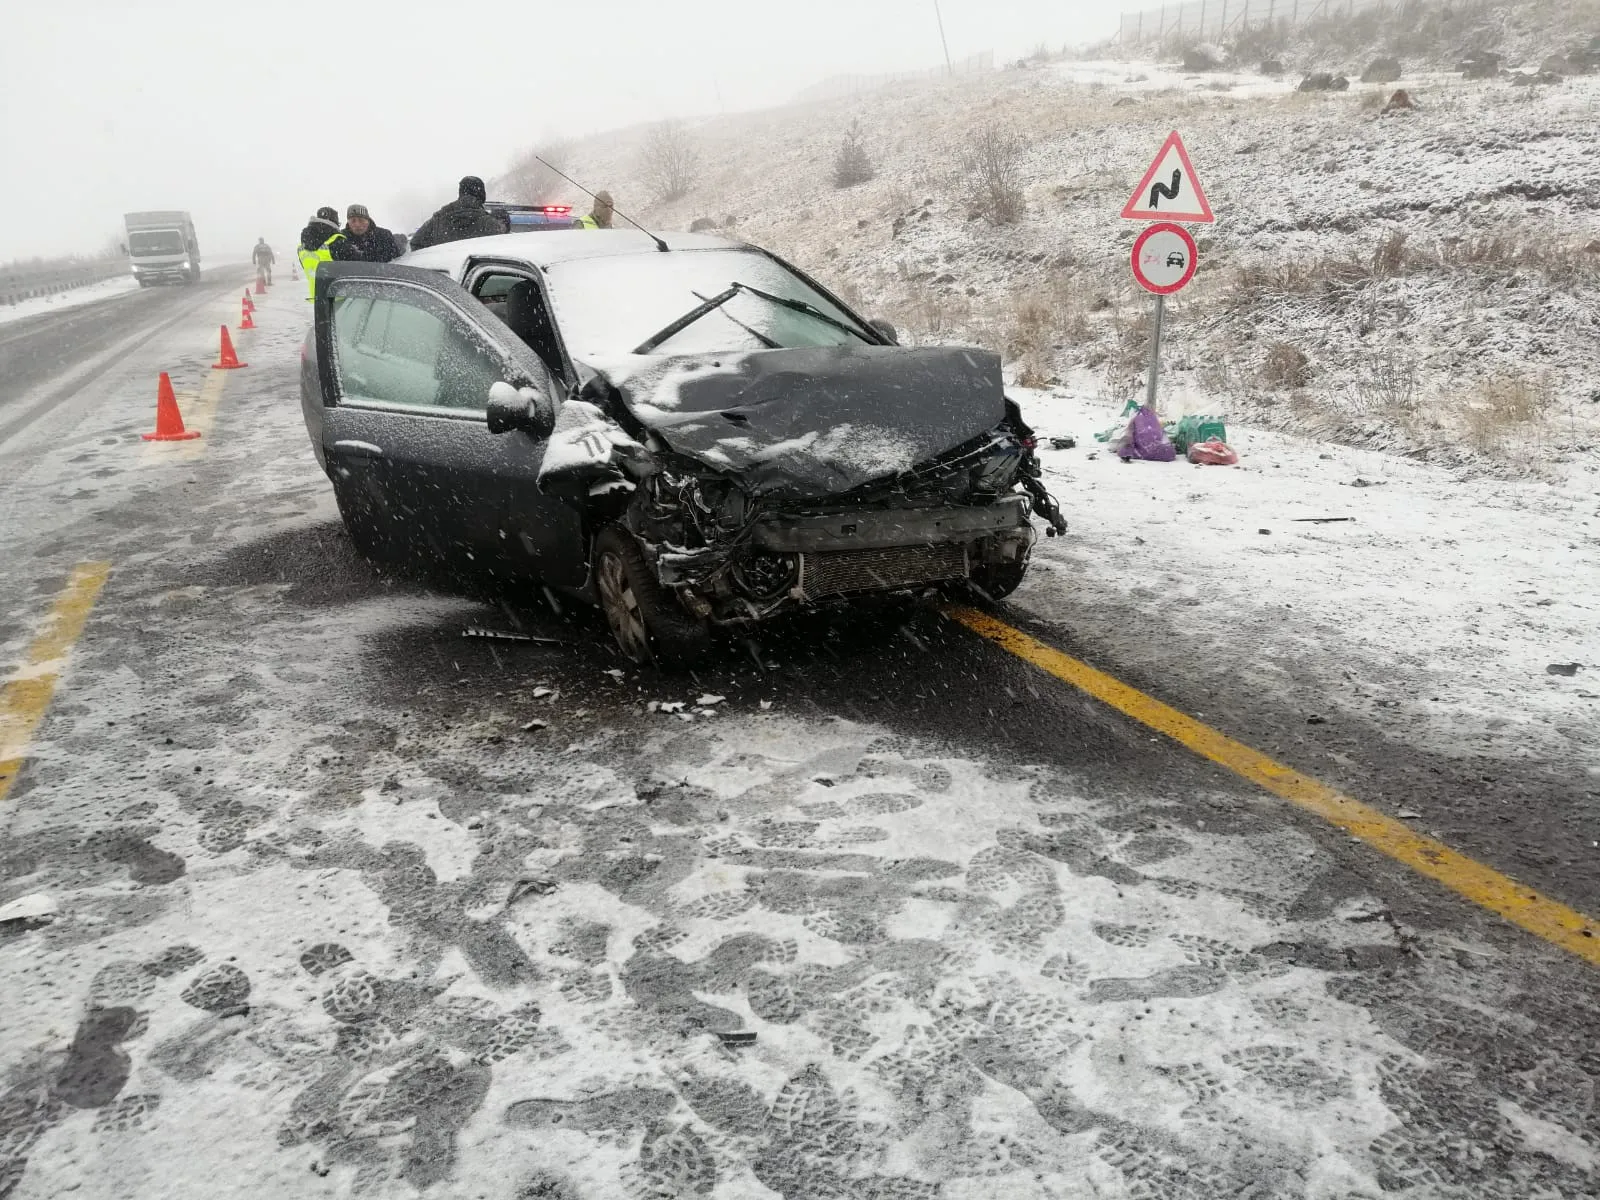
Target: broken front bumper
[[806, 559]]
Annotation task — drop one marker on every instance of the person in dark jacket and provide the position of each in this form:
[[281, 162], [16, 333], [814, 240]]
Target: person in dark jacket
[[319, 229], [463, 217], [362, 241]]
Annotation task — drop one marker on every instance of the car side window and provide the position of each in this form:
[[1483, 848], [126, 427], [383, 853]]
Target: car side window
[[403, 346]]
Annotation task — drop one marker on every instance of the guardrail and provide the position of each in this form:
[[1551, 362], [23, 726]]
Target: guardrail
[[17, 285]]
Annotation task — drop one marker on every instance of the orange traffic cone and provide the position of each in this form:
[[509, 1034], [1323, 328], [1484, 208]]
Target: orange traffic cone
[[244, 318], [261, 283], [249, 304], [229, 360], [169, 421]]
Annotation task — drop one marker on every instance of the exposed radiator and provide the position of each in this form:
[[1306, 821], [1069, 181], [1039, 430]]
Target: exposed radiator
[[871, 570]]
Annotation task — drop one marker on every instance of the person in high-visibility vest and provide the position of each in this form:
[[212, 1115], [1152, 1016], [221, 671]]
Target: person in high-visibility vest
[[600, 216], [313, 250]]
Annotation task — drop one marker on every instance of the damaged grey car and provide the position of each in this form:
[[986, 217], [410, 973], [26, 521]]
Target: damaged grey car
[[687, 431]]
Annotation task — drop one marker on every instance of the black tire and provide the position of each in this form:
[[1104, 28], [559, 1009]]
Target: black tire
[[649, 626], [996, 581]]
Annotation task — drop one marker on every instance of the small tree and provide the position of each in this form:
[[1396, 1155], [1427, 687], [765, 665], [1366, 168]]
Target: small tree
[[852, 166], [671, 161], [992, 163], [531, 182]]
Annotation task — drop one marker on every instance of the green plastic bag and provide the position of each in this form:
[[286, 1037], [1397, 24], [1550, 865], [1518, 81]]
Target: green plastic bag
[[1115, 431]]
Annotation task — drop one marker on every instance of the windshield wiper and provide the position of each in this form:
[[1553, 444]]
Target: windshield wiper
[[753, 332], [803, 307], [688, 319], [721, 298]]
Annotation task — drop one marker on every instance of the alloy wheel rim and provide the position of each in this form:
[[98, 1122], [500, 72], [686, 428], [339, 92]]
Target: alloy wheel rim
[[622, 609]]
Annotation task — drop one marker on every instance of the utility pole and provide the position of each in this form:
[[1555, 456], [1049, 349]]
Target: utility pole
[[948, 65]]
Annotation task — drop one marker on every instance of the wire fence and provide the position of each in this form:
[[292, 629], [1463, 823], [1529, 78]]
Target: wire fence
[[841, 86], [1213, 20]]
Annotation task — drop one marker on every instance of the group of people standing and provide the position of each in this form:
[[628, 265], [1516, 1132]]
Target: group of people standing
[[361, 239]]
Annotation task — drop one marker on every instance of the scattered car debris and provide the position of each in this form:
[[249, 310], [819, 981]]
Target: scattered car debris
[[1567, 669], [707, 700], [1264, 532], [531, 886], [766, 706], [535, 726], [29, 912], [542, 693], [502, 635], [1321, 520], [737, 1037], [617, 673], [1409, 814], [1063, 443], [1314, 719]]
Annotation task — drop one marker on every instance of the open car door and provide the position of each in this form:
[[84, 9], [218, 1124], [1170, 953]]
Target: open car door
[[436, 421]]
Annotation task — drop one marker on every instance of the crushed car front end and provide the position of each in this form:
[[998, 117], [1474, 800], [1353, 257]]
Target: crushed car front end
[[733, 559], [777, 481]]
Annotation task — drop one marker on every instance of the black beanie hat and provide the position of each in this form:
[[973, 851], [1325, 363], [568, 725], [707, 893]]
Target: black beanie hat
[[328, 213], [472, 186]]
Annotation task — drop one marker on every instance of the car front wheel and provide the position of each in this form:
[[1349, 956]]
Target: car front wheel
[[648, 625]]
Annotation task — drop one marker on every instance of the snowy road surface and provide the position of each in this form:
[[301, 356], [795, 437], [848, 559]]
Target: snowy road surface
[[348, 905]]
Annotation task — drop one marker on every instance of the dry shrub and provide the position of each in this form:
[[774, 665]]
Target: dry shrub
[[1389, 259], [670, 164], [1387, 388], [991, 159], [930, 311], [1500, 406], [1285, 366]]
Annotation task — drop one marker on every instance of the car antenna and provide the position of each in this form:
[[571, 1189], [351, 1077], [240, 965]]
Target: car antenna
[[661, 244]]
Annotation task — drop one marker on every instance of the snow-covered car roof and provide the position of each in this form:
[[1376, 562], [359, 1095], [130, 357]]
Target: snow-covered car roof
[[544, 249]]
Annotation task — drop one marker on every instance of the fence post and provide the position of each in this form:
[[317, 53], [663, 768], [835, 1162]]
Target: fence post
[[1139, 36]]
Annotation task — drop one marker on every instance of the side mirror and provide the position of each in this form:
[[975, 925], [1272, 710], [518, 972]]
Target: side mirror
[[510, 408], [890, 334]]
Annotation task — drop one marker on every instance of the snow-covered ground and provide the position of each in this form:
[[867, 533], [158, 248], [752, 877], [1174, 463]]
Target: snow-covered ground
[[1433, 603], [71, 299]]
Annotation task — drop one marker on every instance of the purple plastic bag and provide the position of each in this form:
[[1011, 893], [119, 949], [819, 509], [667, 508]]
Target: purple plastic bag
[[1145, 439]]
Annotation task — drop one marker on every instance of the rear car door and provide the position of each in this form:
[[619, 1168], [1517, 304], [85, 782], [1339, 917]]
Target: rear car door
[[406, 359]]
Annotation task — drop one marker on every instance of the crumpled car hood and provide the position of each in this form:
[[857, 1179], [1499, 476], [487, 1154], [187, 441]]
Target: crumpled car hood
[[800, 423]]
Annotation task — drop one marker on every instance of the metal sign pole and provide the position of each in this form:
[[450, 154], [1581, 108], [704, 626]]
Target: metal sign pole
[[1155, 353]]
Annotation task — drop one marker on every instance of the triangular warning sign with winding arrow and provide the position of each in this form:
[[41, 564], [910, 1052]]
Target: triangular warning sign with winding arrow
[[1170, 190]]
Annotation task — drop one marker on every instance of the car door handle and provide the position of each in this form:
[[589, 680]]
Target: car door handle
[[359, 449]]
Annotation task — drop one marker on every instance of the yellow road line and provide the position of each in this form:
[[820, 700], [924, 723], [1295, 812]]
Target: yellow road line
[[25, 697], [1484, 886], [203, 417]]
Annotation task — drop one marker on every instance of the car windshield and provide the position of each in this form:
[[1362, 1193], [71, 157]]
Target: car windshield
[[609, 306], [156, 241]]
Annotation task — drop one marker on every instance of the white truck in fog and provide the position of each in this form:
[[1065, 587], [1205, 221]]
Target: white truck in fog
[[162, 247]]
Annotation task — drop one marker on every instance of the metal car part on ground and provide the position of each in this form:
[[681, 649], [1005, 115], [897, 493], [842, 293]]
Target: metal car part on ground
[[772, 451]]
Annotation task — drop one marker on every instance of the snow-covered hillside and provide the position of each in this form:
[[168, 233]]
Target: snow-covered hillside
[[1421, 280]]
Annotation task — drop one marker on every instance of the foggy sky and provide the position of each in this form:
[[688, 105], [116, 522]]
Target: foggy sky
[[251, 113]]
